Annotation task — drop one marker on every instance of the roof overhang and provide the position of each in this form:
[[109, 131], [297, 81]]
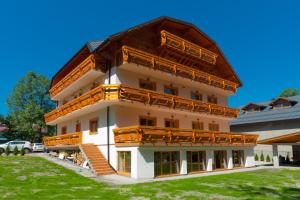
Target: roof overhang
[[290, 138]]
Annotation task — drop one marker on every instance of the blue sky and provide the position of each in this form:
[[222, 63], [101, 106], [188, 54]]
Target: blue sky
[[259, 38]]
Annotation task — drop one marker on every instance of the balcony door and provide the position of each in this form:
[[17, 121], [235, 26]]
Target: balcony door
[[220, 158], [166, 163], [238, 158], [196, 161]]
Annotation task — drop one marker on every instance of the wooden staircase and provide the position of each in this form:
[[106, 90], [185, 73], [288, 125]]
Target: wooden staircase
[[97, 161]]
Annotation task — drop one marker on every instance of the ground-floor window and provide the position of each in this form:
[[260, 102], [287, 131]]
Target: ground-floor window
[[196, 161], [220, 160], [124, 162], [238, 158], [166, 163]]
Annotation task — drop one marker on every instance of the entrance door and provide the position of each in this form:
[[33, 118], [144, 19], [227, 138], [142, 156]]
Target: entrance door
[[166, 163], [196, 161], [238, 158], [220, 158]]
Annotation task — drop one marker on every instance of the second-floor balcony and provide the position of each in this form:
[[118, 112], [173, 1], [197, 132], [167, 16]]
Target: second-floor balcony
[[132, 55], [157, 136], [123, 93]]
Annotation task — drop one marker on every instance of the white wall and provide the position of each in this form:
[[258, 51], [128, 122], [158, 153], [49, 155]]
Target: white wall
[[127, 116], [132, 79]]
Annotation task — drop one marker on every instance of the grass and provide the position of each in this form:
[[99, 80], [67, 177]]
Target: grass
[[35, 178]]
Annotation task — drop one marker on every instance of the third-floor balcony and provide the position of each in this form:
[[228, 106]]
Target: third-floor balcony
[[79, 77], [132, 55], [121, 94]]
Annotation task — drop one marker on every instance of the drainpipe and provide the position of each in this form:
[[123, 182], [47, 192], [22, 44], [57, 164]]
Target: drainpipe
[[107, 118]]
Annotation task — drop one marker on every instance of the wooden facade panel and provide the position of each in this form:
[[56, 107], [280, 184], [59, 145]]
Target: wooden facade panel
[[63, 140]]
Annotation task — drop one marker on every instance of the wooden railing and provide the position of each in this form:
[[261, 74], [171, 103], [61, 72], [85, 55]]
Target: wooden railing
[[178, 43], [61, 140], [113, 92], [132, 55], [145, 135], [85, 66]]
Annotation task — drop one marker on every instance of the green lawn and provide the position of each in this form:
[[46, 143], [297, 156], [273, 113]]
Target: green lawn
[[35, 178]]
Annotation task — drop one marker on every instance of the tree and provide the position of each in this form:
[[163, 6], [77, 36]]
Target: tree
[[27, 105], [256, 157], [262, 157], [290, 92]]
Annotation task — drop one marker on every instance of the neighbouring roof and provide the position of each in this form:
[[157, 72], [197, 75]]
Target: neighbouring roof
[[269, 114], [93, 45], [290, 138]]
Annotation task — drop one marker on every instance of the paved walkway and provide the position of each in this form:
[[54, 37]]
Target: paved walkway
[[115, 179]]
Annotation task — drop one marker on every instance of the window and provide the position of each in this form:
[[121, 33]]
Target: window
[[63, 130], [78, 127], [220, 160], [196, 125], [171, 123], [124, 162], [196, 96], [282, 104], [169, 89], [147, 121], [212, 99], [93, 126], [214, 127], [238, 158], [147, 84]]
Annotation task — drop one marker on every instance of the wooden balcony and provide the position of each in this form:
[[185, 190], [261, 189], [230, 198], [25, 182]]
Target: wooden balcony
[[155, 136], [131, 55], [63, 140], [180, 44], [126, 93], [84, 67]]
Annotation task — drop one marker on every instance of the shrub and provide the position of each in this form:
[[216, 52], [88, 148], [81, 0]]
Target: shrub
[[268, 159], [7, 150], [16, 151], [262, 157], [288, 160], [22, 152], [1, 151], [256, 157]]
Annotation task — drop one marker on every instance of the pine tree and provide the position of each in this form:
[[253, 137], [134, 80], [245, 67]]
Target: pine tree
[[7, 150], [262, 157], [16, 151], [256, 157], [268, 159], [22, 152]]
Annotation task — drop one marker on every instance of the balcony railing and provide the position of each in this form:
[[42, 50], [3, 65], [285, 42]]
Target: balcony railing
[[132, 55], [121, 92], [85, 66], [173, 41], [63, 140], [148, 135]]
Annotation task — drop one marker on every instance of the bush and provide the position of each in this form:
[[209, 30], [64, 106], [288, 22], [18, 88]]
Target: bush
[[288, 160], [22, 152], [262, 157], [16, 151], [7, 150], [256, 157], [1, 151], [268, 159]]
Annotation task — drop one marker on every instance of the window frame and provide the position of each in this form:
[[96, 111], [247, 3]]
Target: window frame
[[214, 97], [171, 120], [146, 81], [125, 164], [175, 89], [147, 118], [198, 123], [214, 127], [91, 121], [63, 130], [196, 93]]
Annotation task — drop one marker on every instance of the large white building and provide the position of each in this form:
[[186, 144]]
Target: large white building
[[148, 102]]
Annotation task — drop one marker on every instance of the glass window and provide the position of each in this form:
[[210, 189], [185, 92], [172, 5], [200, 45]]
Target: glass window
[[238, 158], [220, 160], [197, 125], [124, 162], [171, 123], [93, 126], [170, 90], [148, 85], [147, 121], [78, 127], [196, 96]]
